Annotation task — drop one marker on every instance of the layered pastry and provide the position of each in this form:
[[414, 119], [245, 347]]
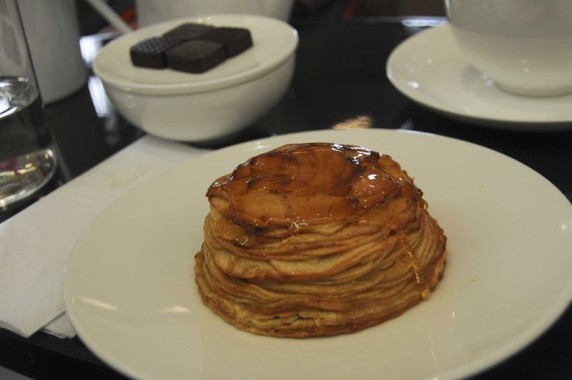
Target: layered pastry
[[317, 239]]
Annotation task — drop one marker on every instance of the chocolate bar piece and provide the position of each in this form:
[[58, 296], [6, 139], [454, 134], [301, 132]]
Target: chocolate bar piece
[[188, 31], [195, 56], [235, 40], [150, 53]]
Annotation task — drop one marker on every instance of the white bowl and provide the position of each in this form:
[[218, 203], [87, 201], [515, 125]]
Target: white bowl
[[201, 107]]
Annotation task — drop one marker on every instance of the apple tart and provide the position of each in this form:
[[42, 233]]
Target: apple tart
[[317, 239]]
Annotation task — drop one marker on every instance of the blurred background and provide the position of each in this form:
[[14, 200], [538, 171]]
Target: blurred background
[[91, 22]]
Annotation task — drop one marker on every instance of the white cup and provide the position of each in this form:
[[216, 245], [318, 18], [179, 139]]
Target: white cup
[[154, 11], [524, 46]]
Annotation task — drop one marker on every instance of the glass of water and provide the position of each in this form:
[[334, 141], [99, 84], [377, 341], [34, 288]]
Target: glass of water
[[27, 160]]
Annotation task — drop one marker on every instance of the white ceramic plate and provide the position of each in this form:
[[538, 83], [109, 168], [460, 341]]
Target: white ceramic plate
[[430, 69], [273, 43], [130, 291]]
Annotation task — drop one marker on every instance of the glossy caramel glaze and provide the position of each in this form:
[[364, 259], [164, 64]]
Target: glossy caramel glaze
[[317, 239], [308, 184]]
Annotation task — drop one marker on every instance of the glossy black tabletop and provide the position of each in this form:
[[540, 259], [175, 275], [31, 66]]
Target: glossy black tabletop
[[340, 76]]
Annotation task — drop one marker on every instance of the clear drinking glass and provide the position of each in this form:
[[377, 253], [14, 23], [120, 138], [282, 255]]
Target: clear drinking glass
[[27, 161]]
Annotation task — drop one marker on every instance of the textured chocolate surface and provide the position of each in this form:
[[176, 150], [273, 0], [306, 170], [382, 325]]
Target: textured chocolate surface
[[191, 47], [235, 40], [150, 53], [188, 31], [196, 56]]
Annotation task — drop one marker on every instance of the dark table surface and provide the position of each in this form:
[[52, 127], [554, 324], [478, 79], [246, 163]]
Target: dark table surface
[[340, 75]]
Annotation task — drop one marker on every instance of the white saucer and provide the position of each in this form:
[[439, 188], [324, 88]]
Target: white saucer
[[430, 69]]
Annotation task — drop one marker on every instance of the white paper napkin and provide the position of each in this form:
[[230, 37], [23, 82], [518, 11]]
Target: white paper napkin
[[36, 243]]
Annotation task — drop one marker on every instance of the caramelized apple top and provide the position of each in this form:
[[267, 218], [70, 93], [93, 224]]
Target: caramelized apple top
[[311, 183]]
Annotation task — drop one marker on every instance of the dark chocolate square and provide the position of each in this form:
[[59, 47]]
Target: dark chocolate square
[[196, 56], [235, 40], [150, 53], [188, 31]]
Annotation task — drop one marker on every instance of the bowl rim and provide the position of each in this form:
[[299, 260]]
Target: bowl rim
[[263, 68]]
